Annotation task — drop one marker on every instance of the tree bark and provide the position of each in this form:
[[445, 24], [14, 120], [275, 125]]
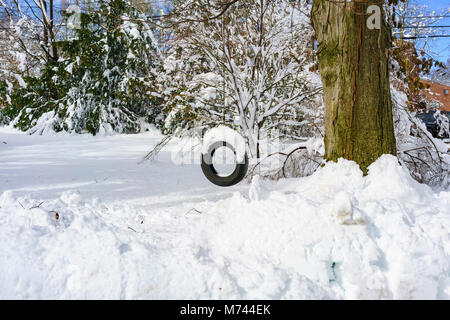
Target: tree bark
[[52, 33], [45, 27], [354, 65]]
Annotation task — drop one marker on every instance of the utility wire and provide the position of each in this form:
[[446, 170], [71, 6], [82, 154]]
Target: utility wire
[[427, 17], [420, 27], [422, 37]]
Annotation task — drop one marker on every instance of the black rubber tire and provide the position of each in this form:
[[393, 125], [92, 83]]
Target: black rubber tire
[[211, 174]]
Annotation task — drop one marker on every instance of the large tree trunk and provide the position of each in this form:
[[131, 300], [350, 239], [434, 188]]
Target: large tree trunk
[[353, 63]]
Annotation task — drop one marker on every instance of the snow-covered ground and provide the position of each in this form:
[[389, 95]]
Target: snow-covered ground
[[80, 218]]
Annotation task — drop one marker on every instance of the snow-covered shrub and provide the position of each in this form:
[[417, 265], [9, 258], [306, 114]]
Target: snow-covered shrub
[[247, 68], [443, 123], [425, 157], [294, 160]]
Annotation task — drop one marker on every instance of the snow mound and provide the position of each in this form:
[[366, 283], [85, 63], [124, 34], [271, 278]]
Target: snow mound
[[379, 236], [334, 235]]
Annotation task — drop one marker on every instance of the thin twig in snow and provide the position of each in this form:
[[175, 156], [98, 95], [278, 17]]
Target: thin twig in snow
[[37, 206], [20, 204]]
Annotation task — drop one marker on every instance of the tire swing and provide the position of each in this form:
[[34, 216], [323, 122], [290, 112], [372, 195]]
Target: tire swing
[[219, 137]]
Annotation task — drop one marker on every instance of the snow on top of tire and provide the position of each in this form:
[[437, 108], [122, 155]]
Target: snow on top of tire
[[230, 136]]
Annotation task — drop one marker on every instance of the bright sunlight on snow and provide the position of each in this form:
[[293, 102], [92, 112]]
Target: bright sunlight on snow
[[80, 218]]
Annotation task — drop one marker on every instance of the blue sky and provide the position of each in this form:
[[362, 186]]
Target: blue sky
[[441, 46]]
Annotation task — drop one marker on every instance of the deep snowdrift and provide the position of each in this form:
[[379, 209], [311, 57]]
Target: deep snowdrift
[[162, 231]]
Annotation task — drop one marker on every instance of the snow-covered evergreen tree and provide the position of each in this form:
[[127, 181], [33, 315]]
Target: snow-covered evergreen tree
[[104, 80]]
